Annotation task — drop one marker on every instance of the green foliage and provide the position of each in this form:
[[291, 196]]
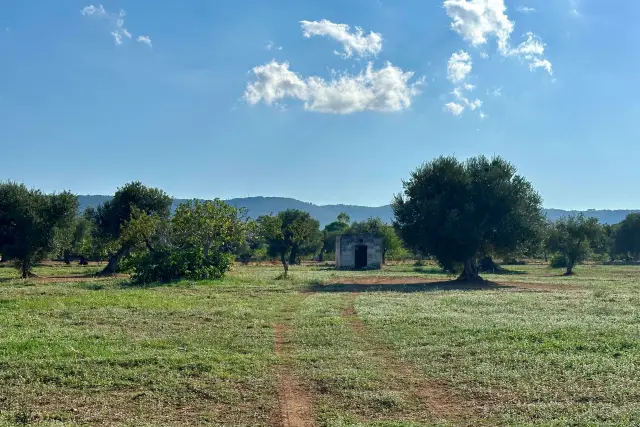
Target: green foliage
[[109, 219], [627, 237], [169, 264], [30, 223], [559, 261], [331, 232], [574, 238], [457, 210], [196, 244], [290, 232]]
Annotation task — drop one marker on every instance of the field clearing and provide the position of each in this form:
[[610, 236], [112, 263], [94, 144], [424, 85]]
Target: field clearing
[[398, 347]]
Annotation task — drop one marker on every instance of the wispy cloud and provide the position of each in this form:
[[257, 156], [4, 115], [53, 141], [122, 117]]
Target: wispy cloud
[[145, 39], [525, 9], [453, 108], [352, 42], [387, 89], [116, 21], [271, 46]]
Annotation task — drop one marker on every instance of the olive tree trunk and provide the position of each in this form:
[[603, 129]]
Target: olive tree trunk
[[470, 271], [112, 265], [570, 265]]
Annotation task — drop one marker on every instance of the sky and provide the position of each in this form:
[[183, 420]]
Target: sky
[[332, 101]]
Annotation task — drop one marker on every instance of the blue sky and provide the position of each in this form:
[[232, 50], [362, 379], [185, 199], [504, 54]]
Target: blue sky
[[234, 99]]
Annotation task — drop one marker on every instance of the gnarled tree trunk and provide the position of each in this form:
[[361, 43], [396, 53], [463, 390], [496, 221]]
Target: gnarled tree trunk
[[570, 265], [470, 272], [112, 265]]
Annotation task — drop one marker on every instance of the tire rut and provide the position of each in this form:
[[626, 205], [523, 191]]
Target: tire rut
[[434, 395]]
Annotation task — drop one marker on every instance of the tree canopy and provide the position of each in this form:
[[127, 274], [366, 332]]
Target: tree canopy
[[29, 223], [287, 232], [110, 217], [627, 237], [574, 237], [455, 210]]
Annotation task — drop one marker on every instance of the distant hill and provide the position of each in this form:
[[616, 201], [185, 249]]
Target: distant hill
[[327, 213]]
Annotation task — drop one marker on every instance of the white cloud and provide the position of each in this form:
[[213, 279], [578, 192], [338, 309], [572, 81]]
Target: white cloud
[[532, 51], [525, 9], [385, 90], [94, 10], [496, 92], [484, 55], [271, 46], [453, 108], [573, 5], [146, 40], [476, 20], [459, 66], [116, 21], [482, 115], [357, 42]]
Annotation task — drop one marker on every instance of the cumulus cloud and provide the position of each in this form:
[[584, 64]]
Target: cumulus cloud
[[459, 66], [116, 21], [352, 42], [385, 90], [532, 51], [145, 39], [476, 20], [453, 108]]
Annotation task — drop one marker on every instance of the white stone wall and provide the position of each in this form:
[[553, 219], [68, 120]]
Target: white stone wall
[[346, 251]]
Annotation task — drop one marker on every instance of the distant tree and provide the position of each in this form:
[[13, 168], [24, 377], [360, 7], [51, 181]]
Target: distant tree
[[30, 222], [110, 218], [627, 237], [390, 239], [331, 232], [287, 232], [573, 237], [344, 218], [457, 210], [75, 240], [253, 241]]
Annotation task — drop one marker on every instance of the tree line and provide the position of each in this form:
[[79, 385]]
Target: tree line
[[463, 214]]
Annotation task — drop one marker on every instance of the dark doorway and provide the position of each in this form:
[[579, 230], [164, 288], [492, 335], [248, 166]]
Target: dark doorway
[[361, 256]]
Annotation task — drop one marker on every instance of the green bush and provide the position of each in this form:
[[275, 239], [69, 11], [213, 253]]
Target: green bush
[[559, 261], [164, 265]]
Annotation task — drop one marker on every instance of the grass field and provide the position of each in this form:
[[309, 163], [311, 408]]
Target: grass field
[[398, 347]]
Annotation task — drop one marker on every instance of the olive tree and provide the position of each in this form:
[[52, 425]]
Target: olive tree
[[574, 237], [627, 236], [30, 222], [287, 232], [110, 218], [456, 210]]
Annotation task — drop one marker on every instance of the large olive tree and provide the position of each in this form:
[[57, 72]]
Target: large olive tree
[[456, 210], [627, 237], [574, 237], [30, 222], [111, 217]]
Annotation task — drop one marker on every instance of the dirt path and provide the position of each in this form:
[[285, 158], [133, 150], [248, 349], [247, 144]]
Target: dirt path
[[295, 407], [434, 395]]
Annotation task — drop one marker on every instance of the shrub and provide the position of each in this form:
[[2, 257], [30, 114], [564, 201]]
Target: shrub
[[559, 261], [164, 265]]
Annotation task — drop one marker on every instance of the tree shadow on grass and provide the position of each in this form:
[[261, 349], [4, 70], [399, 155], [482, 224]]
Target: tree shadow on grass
[[436, 286]]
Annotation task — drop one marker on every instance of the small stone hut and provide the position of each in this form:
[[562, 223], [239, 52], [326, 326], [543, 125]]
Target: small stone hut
[[361, 251]]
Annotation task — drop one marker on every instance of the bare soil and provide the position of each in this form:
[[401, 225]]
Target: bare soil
[[294, 401]]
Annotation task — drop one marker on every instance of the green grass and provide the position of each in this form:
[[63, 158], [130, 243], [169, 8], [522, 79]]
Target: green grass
[[101, 352]]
